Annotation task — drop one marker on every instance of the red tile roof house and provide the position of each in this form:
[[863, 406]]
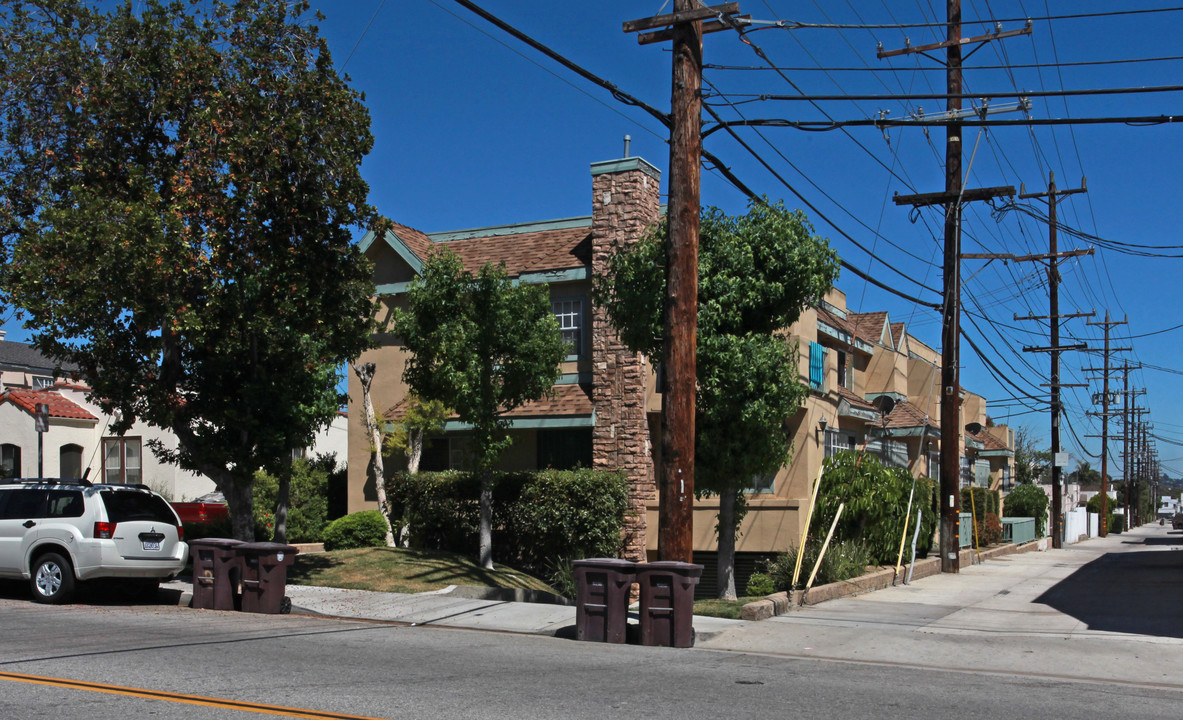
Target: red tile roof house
[[77, 441], [606, 410]]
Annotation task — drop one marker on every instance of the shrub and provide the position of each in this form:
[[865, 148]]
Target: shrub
[[979, 500], [359, 530], [1117, 523], [876, 502], [989, 530], [307, 500], [760, 584], [842, 561], [1028, 501], [541, 520]]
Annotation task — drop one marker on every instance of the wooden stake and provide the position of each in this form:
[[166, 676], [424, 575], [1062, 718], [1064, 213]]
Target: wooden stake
[[822, 554]]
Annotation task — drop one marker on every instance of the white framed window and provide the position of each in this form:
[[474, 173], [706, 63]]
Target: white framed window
[[123, 460], [569, 313], [41, 382], [837, 440]]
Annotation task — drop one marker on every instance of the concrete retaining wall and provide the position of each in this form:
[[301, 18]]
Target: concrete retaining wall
[[781, 603]]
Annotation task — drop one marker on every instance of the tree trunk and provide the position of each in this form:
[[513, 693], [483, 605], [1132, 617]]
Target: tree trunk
[[486, 549], [726, 559], [415, 449], [365, 375], [241, 503], [282, 501]]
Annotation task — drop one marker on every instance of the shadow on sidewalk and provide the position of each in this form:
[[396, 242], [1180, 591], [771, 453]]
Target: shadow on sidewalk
[[1135, 592]]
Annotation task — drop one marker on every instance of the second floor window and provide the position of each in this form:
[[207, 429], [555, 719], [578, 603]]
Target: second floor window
[[844, 373], [122, 461], [569, 313]]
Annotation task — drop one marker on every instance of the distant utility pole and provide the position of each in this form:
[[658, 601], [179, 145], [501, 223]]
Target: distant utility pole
[[679, 347], [952, 198], [1053, 279], [1104, 370]]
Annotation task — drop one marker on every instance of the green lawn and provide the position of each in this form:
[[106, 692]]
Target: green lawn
[[722, 608], [402, 571]]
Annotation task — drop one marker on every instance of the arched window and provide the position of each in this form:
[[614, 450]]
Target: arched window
[[70, 462], [10, 460]]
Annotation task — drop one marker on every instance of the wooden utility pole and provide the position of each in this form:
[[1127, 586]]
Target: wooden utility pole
[[1104, 370], [1053, 279], [679, 338], [952, 198]]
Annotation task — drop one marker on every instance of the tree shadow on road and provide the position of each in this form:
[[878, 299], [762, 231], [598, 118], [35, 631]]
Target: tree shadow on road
[[1136, 592]]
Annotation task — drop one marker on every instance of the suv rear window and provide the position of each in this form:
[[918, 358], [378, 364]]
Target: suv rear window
[[126, 506]]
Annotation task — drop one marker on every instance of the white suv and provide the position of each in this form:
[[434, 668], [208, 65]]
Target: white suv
[[55, 533]]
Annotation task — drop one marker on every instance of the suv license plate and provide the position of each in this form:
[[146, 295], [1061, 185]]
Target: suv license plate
[[151, 544]]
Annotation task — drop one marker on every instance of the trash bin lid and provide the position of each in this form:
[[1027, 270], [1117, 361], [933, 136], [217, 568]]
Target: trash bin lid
[[266, 548], [613, 563], [216, 542], [671, 566]]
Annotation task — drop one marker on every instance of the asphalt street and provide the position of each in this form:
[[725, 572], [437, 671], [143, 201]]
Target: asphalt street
[[1092, 629]]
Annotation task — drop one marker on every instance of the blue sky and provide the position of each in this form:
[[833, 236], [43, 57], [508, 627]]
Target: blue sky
[[472, 128]]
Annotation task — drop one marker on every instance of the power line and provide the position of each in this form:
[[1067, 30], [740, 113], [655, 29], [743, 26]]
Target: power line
[[761, 97], [1008, 66]]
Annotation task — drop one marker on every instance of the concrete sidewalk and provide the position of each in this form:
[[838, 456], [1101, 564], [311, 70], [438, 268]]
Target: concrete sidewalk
[[1103, 609], [442, 609]]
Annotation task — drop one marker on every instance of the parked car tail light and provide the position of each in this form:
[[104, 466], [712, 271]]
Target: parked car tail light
[[104, 530], [180, 532]]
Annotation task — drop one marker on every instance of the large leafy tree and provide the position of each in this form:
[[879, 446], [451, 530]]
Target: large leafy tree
[[481, 345], [179, 186], [756, 273], [1031, 464]]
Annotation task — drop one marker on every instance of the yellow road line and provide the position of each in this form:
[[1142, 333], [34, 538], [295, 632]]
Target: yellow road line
[[179, 698]]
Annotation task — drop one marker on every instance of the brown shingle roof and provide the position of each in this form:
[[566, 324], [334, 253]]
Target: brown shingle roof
[[415, 240], [897, 335], [868, 326], [59, 406], [527, 252], [855, 400], [568, 401], [907, 415], [831, 319], [988, 441]]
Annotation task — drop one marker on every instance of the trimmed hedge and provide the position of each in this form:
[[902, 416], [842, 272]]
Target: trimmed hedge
[[876, 501], [541, 520], [314, 488], [983, 502], [359, 530]]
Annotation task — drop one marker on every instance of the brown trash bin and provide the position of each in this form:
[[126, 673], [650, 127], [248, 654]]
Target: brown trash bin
[[601, 598], [265, 576], [667, 602], [216, 573]]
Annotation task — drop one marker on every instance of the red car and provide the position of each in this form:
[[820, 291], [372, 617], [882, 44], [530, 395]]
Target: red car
[[208, 508]]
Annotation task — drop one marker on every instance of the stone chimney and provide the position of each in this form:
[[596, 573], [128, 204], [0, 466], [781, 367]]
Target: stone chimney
[[625, 201]]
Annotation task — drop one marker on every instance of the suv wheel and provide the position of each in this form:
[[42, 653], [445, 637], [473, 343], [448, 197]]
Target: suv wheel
[[53, 579]]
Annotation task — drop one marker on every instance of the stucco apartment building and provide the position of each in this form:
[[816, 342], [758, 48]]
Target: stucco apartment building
[[873, 385]]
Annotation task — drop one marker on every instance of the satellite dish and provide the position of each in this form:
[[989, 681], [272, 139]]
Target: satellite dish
[[974, 428], [885, 404]]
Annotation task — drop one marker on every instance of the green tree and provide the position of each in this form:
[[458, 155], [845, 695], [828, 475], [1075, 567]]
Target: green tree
[[1028, 501], [756, 273], [1031, 464], [482, 346], [179, 184], [422, 418]]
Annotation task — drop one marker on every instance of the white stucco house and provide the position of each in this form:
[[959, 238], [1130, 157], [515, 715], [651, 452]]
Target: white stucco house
[[77, 441]]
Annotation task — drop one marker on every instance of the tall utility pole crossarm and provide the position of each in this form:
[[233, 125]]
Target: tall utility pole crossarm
[[679, 340], [953, 197]]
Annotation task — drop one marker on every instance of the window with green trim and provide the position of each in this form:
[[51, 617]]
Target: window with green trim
[[569, 313]]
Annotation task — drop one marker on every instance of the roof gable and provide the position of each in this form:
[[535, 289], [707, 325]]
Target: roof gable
[[59, 406]]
